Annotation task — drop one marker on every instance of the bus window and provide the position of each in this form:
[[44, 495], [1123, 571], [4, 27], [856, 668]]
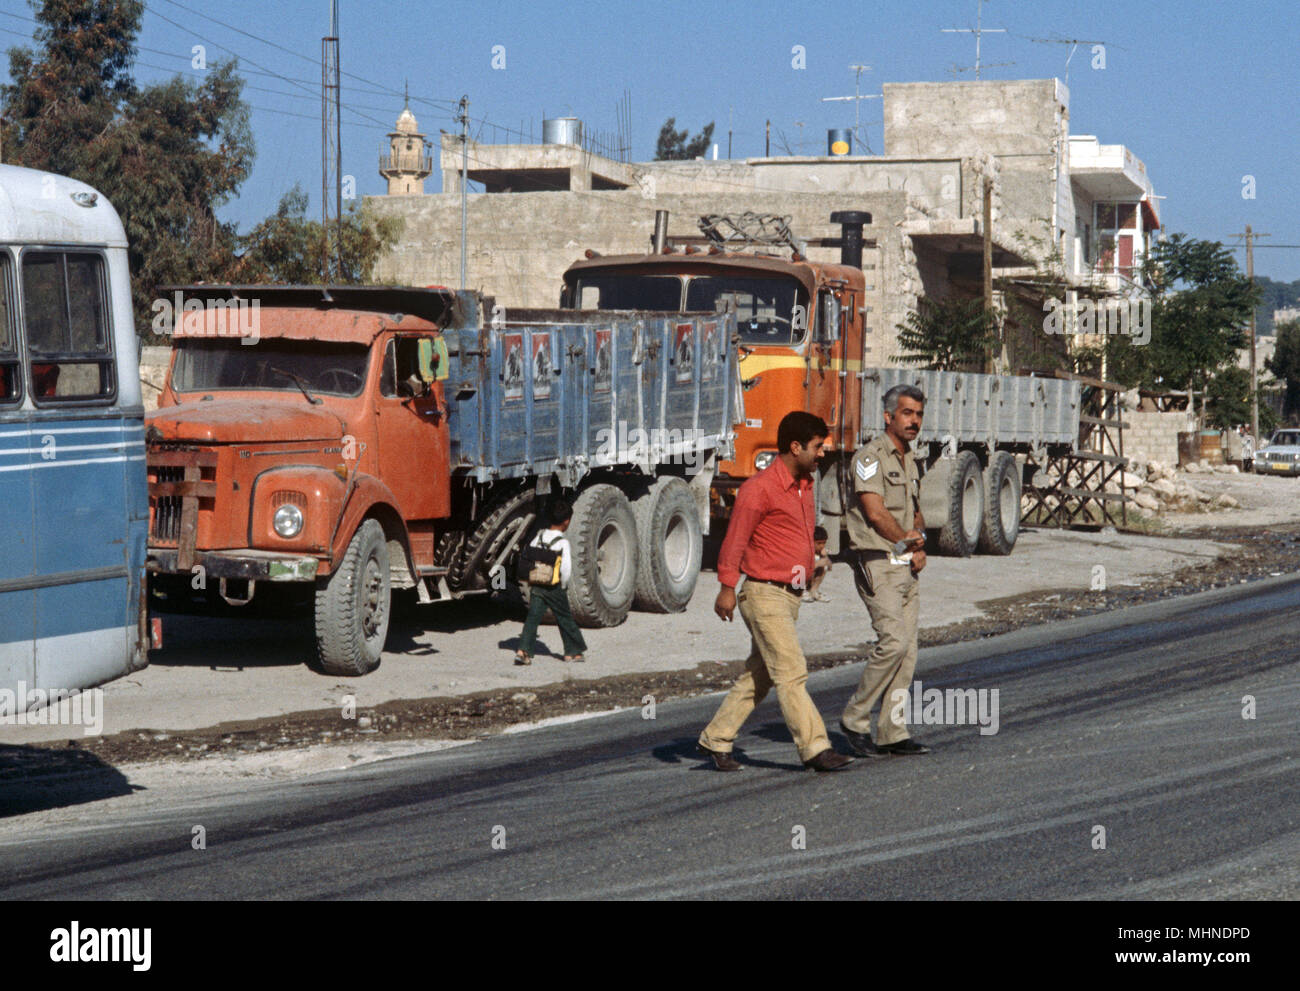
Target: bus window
[[10, 377], [67, 326]]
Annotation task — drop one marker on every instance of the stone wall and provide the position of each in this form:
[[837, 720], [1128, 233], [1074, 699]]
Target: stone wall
[[1154, 436]]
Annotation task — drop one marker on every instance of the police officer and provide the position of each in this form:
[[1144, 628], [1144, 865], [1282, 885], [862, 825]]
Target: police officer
[[886, 512]]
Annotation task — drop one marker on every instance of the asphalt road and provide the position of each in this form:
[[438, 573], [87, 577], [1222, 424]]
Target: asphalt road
[[1129, 721]]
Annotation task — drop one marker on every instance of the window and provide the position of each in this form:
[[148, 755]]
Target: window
[[11, 390], [768, 311], [270, 365], [401, 364], [66, 311], [629, 292]]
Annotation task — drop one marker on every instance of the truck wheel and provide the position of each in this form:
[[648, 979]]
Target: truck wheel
[[352, 606], [670, 545], [1001, 524], [603, 538], [965, 507]]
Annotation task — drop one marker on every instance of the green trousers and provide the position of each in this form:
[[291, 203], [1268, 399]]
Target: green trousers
[[557, 601]]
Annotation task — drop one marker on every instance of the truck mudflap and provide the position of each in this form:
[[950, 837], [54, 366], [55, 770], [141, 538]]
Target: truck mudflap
[[249, 563]]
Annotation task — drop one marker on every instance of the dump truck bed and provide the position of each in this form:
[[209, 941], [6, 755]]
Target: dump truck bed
[[552, 391]]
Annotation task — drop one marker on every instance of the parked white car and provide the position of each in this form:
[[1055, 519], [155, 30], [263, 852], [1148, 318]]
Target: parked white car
[[1281, 455]]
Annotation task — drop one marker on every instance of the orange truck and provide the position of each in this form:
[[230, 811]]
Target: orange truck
[[801, 340], [339, 443], [801, 344]]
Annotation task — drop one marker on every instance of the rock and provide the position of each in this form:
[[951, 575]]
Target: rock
[[363, 722], [1147, 501], [1164, 488], [1192, 468], [1145, 513], [1227, 469], [524, 698], [1131, 481], [1226, 501], [1202, 496]]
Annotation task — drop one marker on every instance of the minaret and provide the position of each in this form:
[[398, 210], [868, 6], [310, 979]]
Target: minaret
[[406, 166]]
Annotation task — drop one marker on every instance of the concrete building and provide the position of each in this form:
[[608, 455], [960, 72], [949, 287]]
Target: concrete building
[[1069, 215]]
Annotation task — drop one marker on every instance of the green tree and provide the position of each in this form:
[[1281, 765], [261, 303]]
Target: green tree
[[1201, 303], [949, 334], [166, 155], [674, 146], [287, 247], [1285, 365]]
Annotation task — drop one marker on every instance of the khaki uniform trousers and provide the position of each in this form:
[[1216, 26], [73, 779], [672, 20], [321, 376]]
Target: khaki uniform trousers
[[894, 603], [775, 660]]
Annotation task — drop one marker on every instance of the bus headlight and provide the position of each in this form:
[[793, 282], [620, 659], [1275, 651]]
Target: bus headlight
[[763, 459], [287, 521]]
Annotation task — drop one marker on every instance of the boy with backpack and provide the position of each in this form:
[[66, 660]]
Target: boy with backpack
[[546, 564]]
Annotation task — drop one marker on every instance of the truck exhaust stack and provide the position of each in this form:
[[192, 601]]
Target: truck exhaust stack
[[851, 222]]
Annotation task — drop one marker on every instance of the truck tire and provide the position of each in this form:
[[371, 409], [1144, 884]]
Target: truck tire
[[353, 606], [670, 546], [960, 534], [603, 539], [1001, 505], [499, 524]]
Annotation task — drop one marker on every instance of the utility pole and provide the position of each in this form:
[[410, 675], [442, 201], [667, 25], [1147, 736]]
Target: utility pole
[[730, 110], [857, 99], [1250, 236], [331, 193], [767, 140], [462, 115], [978, 31], [988, 256]]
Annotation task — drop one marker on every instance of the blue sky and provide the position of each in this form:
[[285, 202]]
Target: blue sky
[[1204, 92]]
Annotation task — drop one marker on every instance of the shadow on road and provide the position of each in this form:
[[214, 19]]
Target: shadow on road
[[33, 779]]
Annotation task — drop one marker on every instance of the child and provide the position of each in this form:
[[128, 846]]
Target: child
[[553, 597], [821, 567]]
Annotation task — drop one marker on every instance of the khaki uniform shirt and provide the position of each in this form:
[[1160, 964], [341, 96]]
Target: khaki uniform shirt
[[879, 468]]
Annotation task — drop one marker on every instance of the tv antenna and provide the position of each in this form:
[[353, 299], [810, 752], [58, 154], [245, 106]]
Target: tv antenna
[[857, 98], [1074, 43], [331, 180], [978, 31]]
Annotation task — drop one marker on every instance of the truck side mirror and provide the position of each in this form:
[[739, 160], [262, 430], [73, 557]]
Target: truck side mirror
[[829, 319]]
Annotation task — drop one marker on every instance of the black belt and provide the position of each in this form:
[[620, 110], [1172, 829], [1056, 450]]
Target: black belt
[[873, 555], [767, 581]]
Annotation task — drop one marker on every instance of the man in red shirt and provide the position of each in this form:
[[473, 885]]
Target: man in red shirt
[[770, 539]]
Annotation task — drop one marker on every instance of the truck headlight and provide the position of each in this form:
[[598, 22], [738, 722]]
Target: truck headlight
[[763, 459], [287, 521]]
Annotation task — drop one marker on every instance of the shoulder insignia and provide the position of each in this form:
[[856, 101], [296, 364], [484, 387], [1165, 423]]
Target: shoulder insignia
[[867, 469]]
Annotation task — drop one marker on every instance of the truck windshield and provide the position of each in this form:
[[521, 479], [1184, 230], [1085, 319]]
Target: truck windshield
[[272, 365], [1285, 438], [629, 292], [766, 309]]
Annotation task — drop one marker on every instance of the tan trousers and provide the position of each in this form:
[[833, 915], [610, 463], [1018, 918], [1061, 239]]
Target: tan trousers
[[775, 659], [894, 602]]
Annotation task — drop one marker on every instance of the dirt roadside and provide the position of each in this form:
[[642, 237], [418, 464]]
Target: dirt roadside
[[408, 725]]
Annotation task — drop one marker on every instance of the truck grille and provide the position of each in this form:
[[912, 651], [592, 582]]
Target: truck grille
[[166, 527]]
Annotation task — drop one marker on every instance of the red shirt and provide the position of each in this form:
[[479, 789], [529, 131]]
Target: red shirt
[[770, 534]]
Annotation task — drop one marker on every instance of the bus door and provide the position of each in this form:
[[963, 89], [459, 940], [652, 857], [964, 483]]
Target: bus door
[[83, 448], [18, 562]]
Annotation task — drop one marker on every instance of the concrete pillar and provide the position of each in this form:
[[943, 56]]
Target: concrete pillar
[[579, 179]]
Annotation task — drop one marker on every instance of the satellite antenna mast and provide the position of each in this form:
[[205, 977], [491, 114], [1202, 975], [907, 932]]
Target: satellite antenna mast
[[978, 31], [331, 182], [857, 99]]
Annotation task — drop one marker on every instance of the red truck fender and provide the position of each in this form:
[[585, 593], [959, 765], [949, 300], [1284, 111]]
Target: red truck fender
[[371, 498]]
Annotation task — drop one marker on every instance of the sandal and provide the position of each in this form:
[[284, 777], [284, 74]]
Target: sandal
[[522, 658], [576, 658]]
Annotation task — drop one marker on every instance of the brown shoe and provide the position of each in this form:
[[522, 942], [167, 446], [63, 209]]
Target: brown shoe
[[828, 760], [721, 761]]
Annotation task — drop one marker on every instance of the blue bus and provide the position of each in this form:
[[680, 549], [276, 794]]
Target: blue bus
[[74, 509]]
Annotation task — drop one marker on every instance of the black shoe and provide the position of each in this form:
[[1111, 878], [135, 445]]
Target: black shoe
[[860, 743], [828, 760], [905, 748], [721, 761]]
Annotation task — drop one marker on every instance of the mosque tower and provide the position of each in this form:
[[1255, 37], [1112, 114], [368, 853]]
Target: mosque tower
[[406, 165]]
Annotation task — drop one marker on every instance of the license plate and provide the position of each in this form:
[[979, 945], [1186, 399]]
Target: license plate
[[1281, 467]]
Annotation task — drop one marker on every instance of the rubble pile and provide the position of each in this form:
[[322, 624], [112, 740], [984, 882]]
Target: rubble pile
[[1162, 488]]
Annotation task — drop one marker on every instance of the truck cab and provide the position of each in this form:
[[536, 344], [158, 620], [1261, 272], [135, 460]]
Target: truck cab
[[298, 439], [801, 341]]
